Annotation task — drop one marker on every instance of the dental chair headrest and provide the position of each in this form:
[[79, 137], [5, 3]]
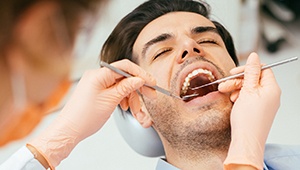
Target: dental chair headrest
[[144, 141]]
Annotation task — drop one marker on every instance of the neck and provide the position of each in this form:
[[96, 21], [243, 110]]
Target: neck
[[5, 87], [194, 160], [205, 152], [5, 92]]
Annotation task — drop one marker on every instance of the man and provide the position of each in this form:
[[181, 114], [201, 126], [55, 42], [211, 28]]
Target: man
[[182, 48]]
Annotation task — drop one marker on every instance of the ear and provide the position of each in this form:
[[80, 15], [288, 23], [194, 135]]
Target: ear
[[143, 116]]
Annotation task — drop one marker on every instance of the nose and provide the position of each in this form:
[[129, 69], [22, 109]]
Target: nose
[[189, 48]]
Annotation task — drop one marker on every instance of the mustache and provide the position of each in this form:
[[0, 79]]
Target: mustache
[[200, 58]]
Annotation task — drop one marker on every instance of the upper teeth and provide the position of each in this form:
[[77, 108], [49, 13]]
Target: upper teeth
[[187, 80]]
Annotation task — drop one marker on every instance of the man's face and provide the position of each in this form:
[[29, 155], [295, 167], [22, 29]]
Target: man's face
[[171, 47]]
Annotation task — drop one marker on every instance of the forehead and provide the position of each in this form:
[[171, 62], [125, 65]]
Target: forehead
[[175, 23]]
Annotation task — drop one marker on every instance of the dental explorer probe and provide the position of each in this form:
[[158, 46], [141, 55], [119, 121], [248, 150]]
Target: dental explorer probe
[[164, 91], [242, 73]]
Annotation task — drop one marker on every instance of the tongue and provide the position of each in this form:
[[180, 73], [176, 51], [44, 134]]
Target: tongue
[[198, 81]]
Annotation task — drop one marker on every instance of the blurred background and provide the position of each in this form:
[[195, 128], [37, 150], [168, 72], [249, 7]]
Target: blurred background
[[269, 27]]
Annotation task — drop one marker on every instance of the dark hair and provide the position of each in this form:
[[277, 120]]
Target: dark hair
[[12, 10], [228, 41], [120, 42]]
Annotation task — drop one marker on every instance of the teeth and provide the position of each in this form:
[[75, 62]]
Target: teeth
[[195, 72], [186, 83]]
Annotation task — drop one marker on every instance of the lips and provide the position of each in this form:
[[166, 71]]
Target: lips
[[195, 78]]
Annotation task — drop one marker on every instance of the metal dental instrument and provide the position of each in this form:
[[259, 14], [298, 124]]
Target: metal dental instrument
[[242, 74], [186, 97], [164, 91]]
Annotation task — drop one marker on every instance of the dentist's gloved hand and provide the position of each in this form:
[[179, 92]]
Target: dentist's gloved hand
[[94, 99], [256, 100]]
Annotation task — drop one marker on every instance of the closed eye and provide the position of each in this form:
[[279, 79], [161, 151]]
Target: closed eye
[[209, 41], [162, 52]]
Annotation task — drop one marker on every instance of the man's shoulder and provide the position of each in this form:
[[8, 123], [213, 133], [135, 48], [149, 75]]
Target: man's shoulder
[[279, 157], [162, 164]]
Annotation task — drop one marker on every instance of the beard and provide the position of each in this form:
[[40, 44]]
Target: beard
[[194, 137], [192, 131]]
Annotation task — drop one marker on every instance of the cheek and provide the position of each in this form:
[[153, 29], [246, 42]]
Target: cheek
[[161, 77], [228, 64], [161, 71], [224, 61]]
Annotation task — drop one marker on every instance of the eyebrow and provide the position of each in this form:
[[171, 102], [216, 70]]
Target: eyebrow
[[166, 36], [198, 30], [160, 38]]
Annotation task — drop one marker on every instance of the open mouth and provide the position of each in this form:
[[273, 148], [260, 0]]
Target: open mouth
[[197, 78]]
